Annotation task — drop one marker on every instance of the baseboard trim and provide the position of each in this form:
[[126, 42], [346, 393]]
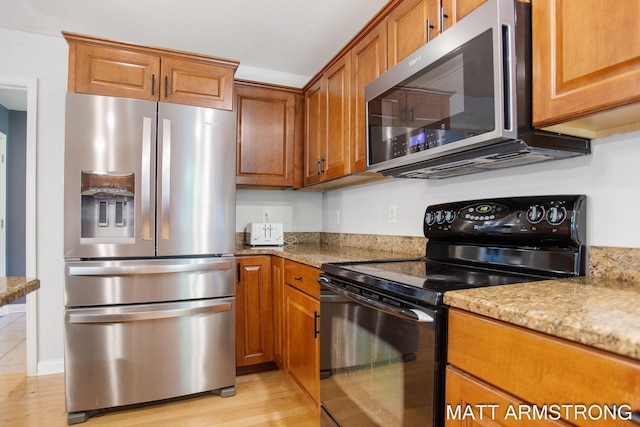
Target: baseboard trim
[[48, 367]]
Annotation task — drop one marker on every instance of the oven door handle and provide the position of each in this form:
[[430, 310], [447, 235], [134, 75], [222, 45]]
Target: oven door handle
[[407, 314]]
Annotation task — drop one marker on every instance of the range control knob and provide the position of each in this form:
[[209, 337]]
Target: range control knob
[[556, 215], [449, 216], [439, 217], [535, 214], [429, 218]]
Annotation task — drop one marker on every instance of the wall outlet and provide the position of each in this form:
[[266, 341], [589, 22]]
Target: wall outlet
[[266, 216], [392, 214], [336, 216]]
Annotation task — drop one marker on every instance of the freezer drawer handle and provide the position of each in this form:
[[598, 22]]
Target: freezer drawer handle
[[148, 315], [144, 269]]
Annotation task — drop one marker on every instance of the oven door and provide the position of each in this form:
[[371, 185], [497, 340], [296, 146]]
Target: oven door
[[380, 359]]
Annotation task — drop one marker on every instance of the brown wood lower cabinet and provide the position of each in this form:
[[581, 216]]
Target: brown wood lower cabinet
[[254, 311], [301, 327], [532, 378], [278, 318]]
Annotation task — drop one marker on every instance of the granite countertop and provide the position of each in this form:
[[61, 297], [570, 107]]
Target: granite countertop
[[315, 254], [596, 311], [12, 288]]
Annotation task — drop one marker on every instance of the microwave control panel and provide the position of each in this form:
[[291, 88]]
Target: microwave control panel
[[421, 140]]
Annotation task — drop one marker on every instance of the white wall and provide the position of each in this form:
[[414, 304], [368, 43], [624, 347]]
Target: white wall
[[296, 210], [45, 58], [610, 177]]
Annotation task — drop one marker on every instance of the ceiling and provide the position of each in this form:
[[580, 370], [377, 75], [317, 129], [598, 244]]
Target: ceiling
[[287, 40], [13, 99]]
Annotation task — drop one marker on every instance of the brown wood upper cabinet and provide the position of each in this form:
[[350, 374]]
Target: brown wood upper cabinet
[[105, 67], [454, 10], [269, 135], [412, 23], [327, 124], [586, 60], [368, 61]]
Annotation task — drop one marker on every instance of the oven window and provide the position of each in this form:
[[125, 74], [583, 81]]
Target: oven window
[[376, 369], [449, 100]]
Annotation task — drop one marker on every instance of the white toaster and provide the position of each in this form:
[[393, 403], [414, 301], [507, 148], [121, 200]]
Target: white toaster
[[264, 234]]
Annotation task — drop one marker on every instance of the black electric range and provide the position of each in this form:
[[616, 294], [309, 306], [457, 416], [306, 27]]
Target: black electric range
[[481, 243], [384, 322]]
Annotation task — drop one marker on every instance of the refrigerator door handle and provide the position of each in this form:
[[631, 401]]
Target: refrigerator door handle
[[149, 314], [145, 269], [146, 178], [165, 196]]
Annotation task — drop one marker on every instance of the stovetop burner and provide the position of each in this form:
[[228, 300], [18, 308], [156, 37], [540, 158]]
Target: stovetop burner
[[421, 280]]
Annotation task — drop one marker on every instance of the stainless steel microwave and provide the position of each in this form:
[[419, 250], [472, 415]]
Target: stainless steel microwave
[[462, 103]]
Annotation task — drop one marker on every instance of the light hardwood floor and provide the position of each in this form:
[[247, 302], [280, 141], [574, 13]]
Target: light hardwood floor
[[13, 344], [262, 399]]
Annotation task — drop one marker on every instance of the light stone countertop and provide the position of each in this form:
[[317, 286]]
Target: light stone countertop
[[12, 288], [314, 254]]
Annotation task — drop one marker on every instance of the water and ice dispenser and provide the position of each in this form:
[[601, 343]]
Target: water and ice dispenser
[[108, 201]]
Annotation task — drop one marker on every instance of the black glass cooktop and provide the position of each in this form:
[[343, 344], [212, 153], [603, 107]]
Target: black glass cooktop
[[421, 280]]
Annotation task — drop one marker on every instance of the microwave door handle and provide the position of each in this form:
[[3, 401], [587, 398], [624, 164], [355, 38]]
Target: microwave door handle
[[407, 314], [164, 217], [146, 183], [149, 314]]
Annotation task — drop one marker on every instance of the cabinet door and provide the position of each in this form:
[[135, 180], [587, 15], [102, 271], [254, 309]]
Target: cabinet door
[[407, 26], [109, 71], [266, 136], [303, 341], [586, 58], [368, 61], [196, 83], [254, 313], [315, 132], [455, 10], [335, 159]]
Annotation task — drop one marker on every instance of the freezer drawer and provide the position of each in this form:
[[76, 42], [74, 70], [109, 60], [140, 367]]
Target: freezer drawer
[[92, 283], [122, 355]]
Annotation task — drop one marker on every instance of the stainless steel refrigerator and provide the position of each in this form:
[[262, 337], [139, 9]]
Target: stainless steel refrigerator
[[149, 237]]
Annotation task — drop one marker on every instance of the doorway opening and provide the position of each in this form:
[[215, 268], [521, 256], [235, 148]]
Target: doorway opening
[[21, 95]]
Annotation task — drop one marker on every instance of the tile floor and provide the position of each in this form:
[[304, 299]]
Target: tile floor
[[13, 343]]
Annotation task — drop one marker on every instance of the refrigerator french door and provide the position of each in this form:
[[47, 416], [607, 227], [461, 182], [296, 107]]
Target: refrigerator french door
[[149, 241], [134, 191]]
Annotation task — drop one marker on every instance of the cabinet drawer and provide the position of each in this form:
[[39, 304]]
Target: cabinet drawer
[[469, 400], [302, 277], [543, 370]]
